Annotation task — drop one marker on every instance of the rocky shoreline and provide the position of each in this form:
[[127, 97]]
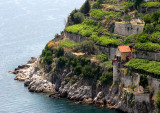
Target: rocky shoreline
[[82, 91], [31, 75], [34, 80]]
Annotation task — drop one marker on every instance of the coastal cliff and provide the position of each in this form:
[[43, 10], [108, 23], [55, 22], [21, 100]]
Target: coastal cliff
[[107, 55]]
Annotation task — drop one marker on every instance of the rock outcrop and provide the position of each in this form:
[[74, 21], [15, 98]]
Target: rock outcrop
[[81, 91]]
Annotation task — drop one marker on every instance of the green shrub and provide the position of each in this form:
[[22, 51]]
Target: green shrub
[[84, 61], [88, 72], [142, 38], [47, 55], [98, 13], [107, 63], [143, 81], [155, 16], [48, 59], [155, 37], [157, 27], [127, 18], [149, 29], [87, 47], [75, 62], [59, 52], [102, 57], [78, 69], [61, 62], [90, 22], [147, 19], [107, 77], [130, 39]]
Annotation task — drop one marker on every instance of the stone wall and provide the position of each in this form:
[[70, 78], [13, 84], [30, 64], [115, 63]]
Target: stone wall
[[115, 72], [127, 29], [147, 55], [155, 83], [128, 80], [142, 97], [74, 37], [110, 51]]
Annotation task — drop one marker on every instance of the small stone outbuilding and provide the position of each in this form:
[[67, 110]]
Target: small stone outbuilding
[[123, 52]]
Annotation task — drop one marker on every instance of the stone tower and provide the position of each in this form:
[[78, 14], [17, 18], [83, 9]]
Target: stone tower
[[115, 71]]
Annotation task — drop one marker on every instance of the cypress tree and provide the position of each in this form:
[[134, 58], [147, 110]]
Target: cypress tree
[[85, 7]]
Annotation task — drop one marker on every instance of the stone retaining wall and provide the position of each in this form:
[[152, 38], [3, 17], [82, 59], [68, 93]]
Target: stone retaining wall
[[74, 37], [127, 29], [147, 55]]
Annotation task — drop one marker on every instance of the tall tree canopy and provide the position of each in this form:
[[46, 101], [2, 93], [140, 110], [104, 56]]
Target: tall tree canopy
[[85, 7]]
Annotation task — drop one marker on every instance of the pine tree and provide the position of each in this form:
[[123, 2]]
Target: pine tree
[[85, 7]]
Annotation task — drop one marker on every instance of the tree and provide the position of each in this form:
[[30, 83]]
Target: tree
[[100, 1], [155, 16], [127, 18], [149, 29], [87, 47], [85, 7], [143, 38], [147, 19], [78, 18], [137, 3]]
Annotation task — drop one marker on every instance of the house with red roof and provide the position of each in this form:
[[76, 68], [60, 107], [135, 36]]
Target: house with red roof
[[123, 52]]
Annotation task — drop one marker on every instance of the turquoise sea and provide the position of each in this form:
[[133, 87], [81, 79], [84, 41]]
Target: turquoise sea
[[25, 27]]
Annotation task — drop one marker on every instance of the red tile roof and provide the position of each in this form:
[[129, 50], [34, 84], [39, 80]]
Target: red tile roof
[[124, 49]]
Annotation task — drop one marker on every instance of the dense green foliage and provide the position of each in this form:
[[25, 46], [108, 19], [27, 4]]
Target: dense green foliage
[[67, 43], [150, 4], [98, 13], [102, 57], [85, 7], [59, 52], [106, 77], [81, 29], [127, 5], [106, 40], [145, 64], [147, 46], [75, 17], [61, 62], [47, 55], [143, 81], [130, 39], [155, 37], [147, 19], [87, 47], [127, 18]]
